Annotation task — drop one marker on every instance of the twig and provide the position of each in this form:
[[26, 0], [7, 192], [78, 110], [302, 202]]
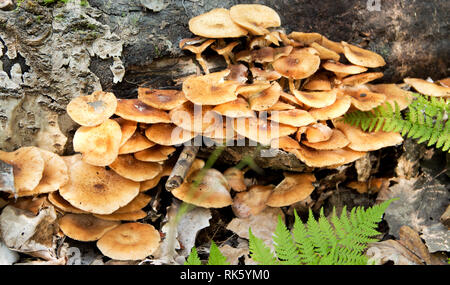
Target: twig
[[181, 167]]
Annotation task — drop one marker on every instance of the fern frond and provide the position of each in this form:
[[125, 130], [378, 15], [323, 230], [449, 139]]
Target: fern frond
[[259, 252], [285, 248], [304, 244], [215, 256], [193, 258]]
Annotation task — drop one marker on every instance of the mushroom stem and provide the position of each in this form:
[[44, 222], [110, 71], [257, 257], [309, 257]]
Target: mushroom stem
[[181, 167], [202, 63], [291, 85]]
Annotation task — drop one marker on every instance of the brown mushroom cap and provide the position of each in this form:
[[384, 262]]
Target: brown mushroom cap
[[342, 70], [195, 118], [168, 134], [363, 99], [293, 188], [251, 202], [85, 227], [294, 117], [161, 99], [155, 154], [264, 74], [235, 109], [92, 110], [335, 110], [136, 204], [365, 141], [318, 158], [325, 53], [266, 98], [394, 94], [255, 18], [138, 111], [210, 89], [318, 82], [238, 73], [362, 57], [59, 202], [55, 175], [97, 190], [235, 178], [128, 128], [99, 145], [213, 190], [280, 106], [128, 216], [135, 143], [250, 89], [130, 241], [318, 99], [28, 167], [128, 166], [260, 130], [361, 78], [445, 82], [428, 88], [285, 143], [167, 169], [298, 64], [318, 133], [216, 23], [348, 154], [337, 140]]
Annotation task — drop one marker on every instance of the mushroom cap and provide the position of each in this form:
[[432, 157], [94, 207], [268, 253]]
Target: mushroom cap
[[59, 202], [138, 111], [428, 88], [151, 183], [130, 241], [216, 23], [445, 82], [266, 98], [168, 134], [222, 134], [127, 127], [161, 99], [316, 99], [99, 145], [318, 133], [298, 64], [342, 70], [363, 99], [97, 190], [92, 110], [251, 202], [260, 130], [348, 154], [213, 190], [235, 178], [264, 74], [305, 38], [210, 89], [318, 82], [238, 73], [157, 153], [128, 216], [294, 117], [362, 57], [55, 174], [318, 158], [293, 188], [85, 227], [361, 78], [255, 18], [337, 140], [138, 203], [368, 141], [281, 106], [195, 118], [285, 143], [335, 110], [135, 143], [128, 166], [250, 89], [325, 53], [394, 94], [28, 167], [235, 109]]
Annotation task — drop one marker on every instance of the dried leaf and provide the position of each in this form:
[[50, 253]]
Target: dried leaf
[[391, 250], [7, 256], [188, 227]]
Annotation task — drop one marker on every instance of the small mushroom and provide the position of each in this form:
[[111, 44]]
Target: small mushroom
[[60, 203], [161, 99], [363, 99], [138, 111], [157, 153], [99, 145], [235, 109], [135, 143], [318, 82], [128, 216], [129, 241], [316, 99], [318, 133], [129, 167], [168, 134], [362, 57], [92, 110], [210, 89], [264, 74], [266, 98], [216, 23], [195, 118], [136, 204], [227, 51], [127, 127], [255, 18], [294, 117], [261, 131], [335, 110], [361, 78], [336, 141], [197, 50], [342, 70], [83, 227], [298, 64], [325, 53], [285, 143], [208, 189], [428, 88], [318, 158], [396, 94], [97, 190], [293, 188], [235, 178], [251, 202]]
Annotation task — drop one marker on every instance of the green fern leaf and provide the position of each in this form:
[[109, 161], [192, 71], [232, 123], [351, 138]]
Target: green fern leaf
[[215, 256], [193, 258], [284, 245], [259, 252]]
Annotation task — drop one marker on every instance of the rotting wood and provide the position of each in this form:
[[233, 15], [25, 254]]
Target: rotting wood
[[181, 167]]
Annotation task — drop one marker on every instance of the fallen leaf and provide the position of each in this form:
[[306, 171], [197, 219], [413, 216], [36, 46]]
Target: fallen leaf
[[7, 256], [391, 250], [188, 227]]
